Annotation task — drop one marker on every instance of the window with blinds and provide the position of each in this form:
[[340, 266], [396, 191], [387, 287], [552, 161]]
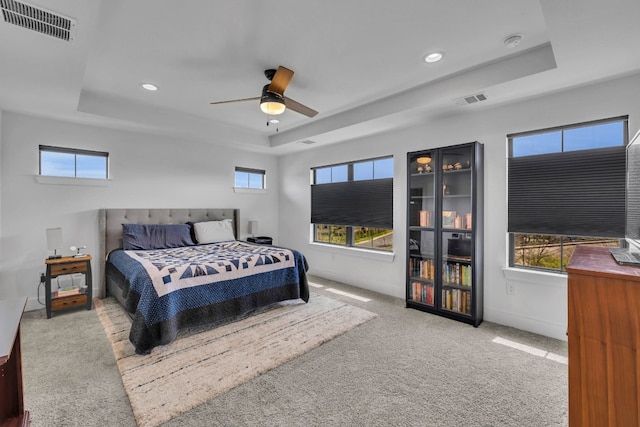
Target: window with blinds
[[566, 186], [352, 204]]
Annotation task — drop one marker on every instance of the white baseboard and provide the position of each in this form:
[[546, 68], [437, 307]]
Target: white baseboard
[[528, 324], [33, 304]]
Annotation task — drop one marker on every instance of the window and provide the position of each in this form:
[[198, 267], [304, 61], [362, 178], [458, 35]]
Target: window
[[566, 188], [74, 163], [250, 178], [352, 204]]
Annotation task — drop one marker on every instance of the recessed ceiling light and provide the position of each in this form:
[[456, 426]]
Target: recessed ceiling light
[[513, 41], [433, 57], [274, 121], [149, 86]]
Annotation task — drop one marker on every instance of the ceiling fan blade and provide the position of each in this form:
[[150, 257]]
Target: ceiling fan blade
[[255, 98], [299, 108], [280, 80]]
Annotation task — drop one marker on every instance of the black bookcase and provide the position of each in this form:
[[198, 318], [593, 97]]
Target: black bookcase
[[444, 231]]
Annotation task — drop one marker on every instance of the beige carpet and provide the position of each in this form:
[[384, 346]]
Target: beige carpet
[[204, 364]]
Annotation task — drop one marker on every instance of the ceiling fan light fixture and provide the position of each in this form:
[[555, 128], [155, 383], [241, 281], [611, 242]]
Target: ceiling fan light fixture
[[272, 103], [272, 108]]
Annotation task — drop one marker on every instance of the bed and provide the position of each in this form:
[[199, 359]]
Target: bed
[[194, 274]]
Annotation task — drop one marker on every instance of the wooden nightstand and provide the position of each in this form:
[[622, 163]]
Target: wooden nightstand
[[68, 265]]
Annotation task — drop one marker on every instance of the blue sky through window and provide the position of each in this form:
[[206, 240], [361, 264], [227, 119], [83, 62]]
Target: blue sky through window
[[579, 138], [57, 164], [73, 165], [91, 167], [249, 180], [598, 136]]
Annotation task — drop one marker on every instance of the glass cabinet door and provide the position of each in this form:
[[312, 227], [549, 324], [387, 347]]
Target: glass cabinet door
[[457, 230], [444, 231], [422, 191], [422, 208]]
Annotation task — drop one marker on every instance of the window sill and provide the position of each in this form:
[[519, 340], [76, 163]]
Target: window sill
[[357, 252], [535, 277], [249, 190], [63, 180]]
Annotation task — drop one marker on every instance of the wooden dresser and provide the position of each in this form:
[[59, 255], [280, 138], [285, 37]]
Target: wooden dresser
[[604, 338]]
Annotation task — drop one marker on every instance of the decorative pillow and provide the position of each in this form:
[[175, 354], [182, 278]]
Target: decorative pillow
[[155, 236], [214, 231]]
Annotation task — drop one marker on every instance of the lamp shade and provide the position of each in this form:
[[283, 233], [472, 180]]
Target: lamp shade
[[272, 103], [54, 238], [253, 227]]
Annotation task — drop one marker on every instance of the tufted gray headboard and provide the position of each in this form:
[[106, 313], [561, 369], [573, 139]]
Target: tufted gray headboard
[[111, 220]]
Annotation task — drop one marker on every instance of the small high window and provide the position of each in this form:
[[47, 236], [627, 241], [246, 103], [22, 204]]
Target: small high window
[[74, 163], [249, 178]]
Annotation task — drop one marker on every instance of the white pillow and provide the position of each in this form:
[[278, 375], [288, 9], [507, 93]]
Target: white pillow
[[214, 231]]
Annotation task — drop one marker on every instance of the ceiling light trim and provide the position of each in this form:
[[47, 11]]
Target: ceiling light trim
[[513, 41], [433, 57], [149, 86]]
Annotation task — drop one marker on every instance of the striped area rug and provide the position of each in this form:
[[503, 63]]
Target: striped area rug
[[201, 365]]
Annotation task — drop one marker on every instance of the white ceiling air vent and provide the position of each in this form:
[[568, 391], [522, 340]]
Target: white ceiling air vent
[[38, 19], [471, 99]]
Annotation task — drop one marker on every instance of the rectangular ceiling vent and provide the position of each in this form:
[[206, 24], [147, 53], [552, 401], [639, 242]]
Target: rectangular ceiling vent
[[471, 99], [38, 19]]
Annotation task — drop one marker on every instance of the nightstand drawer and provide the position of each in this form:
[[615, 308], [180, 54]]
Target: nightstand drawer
[[68, 268], [67, 302]]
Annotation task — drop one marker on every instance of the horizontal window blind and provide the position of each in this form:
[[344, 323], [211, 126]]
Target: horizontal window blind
[[366, 203], [249, 170], [73, 151], [576, 193]]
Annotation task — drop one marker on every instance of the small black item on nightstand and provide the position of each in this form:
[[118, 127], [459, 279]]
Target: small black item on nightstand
[[260, 240]]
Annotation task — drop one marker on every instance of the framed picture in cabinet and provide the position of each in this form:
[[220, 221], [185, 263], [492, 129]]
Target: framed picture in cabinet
[[448, 219]]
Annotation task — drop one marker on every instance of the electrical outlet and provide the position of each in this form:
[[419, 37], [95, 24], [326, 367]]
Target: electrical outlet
[[511, 289]]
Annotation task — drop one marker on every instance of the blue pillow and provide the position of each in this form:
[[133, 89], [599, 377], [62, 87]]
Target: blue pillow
[[155, 236]]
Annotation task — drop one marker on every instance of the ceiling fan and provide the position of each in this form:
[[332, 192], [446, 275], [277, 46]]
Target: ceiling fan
[[273, 101]]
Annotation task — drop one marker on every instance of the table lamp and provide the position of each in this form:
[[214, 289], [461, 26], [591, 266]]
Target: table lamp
[[253, 228], [54, 241]]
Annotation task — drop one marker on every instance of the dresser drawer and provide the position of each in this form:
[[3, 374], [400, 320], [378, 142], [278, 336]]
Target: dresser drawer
[[68, 268], [70, 301]]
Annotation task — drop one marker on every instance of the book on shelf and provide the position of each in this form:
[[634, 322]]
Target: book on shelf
[[457, 300], [63, 292], [424, 269], [422, 292], [456, 273]]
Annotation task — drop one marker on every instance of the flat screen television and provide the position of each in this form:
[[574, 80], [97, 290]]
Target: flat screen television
[[632, 227]]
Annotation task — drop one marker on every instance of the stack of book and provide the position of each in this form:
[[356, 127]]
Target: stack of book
[[64, 292]]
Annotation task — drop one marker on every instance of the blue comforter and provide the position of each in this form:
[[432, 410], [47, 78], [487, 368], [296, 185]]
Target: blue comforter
[[169, 289]]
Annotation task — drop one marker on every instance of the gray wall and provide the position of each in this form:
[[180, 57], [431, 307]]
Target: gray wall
[[156, 171], [146, 170], [539, 303]]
